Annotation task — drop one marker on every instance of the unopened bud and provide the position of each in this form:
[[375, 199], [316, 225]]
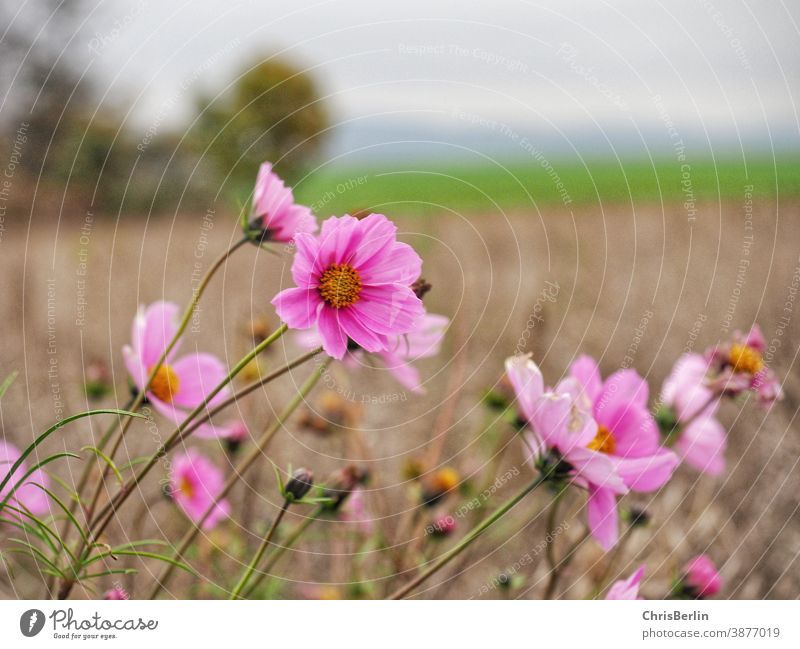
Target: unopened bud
[[421, 287], [299, 484]]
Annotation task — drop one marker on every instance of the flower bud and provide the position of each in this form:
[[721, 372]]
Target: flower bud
[[299, 485], [638, 517], [116, 593], [421, 287], [700, 577], [342, 485]]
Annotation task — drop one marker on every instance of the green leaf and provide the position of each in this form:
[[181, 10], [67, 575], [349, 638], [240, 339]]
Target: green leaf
[[105, 573], [143, 555], [55, 427], [36, 554], [7, 383], [30, 472], [106, 459], [66, 510]]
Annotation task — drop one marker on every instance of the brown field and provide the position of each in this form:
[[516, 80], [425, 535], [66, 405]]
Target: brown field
[[635, 287]]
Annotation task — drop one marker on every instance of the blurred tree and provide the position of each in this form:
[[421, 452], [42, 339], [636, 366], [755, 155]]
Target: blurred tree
[[272, 112]]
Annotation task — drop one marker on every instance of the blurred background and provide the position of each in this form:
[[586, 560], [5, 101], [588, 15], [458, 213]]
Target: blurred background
[[641, 157]]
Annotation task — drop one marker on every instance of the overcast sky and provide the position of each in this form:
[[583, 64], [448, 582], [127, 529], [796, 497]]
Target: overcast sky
[[559, 70]]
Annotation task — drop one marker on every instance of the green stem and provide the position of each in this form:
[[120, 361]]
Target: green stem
[[262, 548], [280, 550], [468, 539], [550, 552], [241, 468]]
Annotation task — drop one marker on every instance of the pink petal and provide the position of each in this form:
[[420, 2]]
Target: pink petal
[[647, 473], [585, 370], [527, 381], [598, 469], [160, 326], [405, 373], [634, 429], [702, 445], [391, 309], [198, 374], [297, 307], [602, 517], [334, 340], [401, 265], [350, 322], [306, 267]]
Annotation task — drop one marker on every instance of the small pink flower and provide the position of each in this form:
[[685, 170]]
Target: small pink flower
[[181, 384], [443, 525], [627, 588], [354, 510], [738, 365], [424, 341], [195, 484], [701, 578], [275, 211], [701, 439], [354, 283], [27, 496], [116, 593]]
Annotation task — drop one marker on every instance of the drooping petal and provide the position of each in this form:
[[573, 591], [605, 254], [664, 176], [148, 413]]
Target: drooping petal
[[405, 373], [601, 513]]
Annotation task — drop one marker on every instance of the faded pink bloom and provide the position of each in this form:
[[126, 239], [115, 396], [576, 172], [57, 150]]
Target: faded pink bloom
[[354, 283], [354, 510], [701, 438], [738, 365], [701, 578], [195, 484], [627, 588], [275, 211], [424, 341], [27, 496], [116, 593], [181, 384], [443, 525]]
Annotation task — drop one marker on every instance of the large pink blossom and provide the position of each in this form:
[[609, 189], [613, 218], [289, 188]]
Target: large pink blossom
[[603, 433], [275, 211], [181, 383], [27, 496], [701, 438], [195, 484], [424, 341], [353, 282], [627, 588]]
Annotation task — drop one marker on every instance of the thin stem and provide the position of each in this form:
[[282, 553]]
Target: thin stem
[[550, 552], [140, 397], [468, 539], [262, 548], [241, 468], [281, 549], [612, 560]]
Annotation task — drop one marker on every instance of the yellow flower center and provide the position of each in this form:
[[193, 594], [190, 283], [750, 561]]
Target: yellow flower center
[[186, 487], [604, 441], [445, 479], [340, 285], [165, 384], [745, 359]]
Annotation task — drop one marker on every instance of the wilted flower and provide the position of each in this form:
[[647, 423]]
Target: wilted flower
[[196, 485], [27, 496], [116, 593], [180, 384], [424, 341], [342, 484], [601, 433], [689, 407], [627, 588], [275, 214], [738, 365], [299, 484], [354, 283], [237, 434], [700, 577]]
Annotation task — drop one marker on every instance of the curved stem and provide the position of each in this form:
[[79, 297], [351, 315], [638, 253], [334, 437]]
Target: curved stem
[[468, 539], [550, 552], [238, 473], [262, 548]]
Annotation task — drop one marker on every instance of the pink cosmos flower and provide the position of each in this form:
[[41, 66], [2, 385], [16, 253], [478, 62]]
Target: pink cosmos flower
[[195, 484], [602, 433], [424, 341], [738, 366], [181, 384], [275, 211], [627, 588], [116, 593], [353, 282], [701, 439], [354, 510], [28, 496], [701, 578]]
